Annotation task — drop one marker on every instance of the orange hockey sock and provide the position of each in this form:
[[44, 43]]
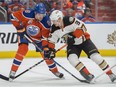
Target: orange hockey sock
[[52, 66], [109, 72], [86, 71], [22, 50]]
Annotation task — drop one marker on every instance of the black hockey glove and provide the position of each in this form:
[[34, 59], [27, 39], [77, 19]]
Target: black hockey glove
[[70, 39], [49, 53]]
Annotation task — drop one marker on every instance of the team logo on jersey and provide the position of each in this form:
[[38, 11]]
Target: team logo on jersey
[[32, 30], [112, 38]]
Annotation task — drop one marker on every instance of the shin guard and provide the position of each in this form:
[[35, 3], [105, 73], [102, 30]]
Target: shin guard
[[22, 51], [97, 58], [52, 66]]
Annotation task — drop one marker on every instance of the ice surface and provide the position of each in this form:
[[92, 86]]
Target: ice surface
[[40, 76]]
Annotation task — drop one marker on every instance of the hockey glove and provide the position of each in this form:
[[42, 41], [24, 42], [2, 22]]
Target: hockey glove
[[49, 53], [21, 30], [70, 39]]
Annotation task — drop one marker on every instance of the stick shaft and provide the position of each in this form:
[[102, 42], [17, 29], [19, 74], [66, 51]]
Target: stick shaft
[[104, 72]]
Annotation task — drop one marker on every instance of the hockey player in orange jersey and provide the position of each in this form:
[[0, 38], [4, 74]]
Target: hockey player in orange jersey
[[36, 25]]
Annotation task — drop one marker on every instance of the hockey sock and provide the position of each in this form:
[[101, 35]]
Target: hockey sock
[[52, 66], [22, 50], [97, 58], [104, 66], [80, 67], [83, 70], [50, 63]]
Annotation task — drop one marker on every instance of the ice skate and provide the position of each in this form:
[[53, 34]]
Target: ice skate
[[90, 77], [12, 76], [58, 74], [112, 77]]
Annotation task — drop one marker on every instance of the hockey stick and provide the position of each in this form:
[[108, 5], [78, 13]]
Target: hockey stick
[[38, 62], [4, 77], [85, 81], [28, 69], [103, 73], [7, 79]]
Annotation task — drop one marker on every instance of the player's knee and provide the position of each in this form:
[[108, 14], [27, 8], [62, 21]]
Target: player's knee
[[49, 62], [97, 58], [23, 48], [73, 59]]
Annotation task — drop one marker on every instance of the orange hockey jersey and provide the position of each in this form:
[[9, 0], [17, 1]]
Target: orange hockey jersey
[[25, 22]]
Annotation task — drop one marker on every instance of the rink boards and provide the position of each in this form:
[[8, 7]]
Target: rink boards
[[99, 34]]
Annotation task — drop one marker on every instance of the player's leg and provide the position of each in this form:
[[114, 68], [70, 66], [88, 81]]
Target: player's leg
[[50, 63], [98, 59], [21, 52], [93, 54], [73, 53], [52, 67]]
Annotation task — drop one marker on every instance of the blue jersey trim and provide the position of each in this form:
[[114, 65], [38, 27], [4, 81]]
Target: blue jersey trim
[[46, 22], [29, 13]]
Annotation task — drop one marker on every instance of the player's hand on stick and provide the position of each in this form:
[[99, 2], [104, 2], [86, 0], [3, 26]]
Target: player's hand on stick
[[70, 39], [49, 53]]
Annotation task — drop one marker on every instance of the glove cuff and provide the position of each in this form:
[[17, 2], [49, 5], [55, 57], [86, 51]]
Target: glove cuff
[[45, 48], [52, 49], [51, 45]]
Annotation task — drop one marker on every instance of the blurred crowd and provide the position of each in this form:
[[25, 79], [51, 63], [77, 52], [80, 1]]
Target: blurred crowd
[[80, 9]]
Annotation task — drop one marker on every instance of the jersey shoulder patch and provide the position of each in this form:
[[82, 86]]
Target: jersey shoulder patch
[[29, 13], [68, 20], [71, 19]]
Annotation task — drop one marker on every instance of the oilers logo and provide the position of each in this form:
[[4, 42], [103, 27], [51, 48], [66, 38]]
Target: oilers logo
[[32, 30]]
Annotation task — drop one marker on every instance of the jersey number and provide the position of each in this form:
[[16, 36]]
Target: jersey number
[[83, 27]]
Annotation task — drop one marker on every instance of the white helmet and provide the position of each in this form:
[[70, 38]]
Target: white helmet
[[56, 14]]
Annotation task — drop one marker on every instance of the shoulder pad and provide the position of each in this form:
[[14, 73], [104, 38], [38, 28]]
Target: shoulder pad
[[29, 13], [68, 20], [46, 22]]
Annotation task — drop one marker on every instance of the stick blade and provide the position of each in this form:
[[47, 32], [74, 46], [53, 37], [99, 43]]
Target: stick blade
[[4, 77]]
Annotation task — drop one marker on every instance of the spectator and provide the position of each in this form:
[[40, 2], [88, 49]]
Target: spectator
[[81, 5], [31, 4], [74, 7], [87, 17], [67, 4], [69, 12], [88, 3], [15, 5], [80, 9], [3, 4], [56, 5]]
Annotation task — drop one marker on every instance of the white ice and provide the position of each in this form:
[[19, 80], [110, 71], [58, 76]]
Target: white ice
[[40, 76]]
